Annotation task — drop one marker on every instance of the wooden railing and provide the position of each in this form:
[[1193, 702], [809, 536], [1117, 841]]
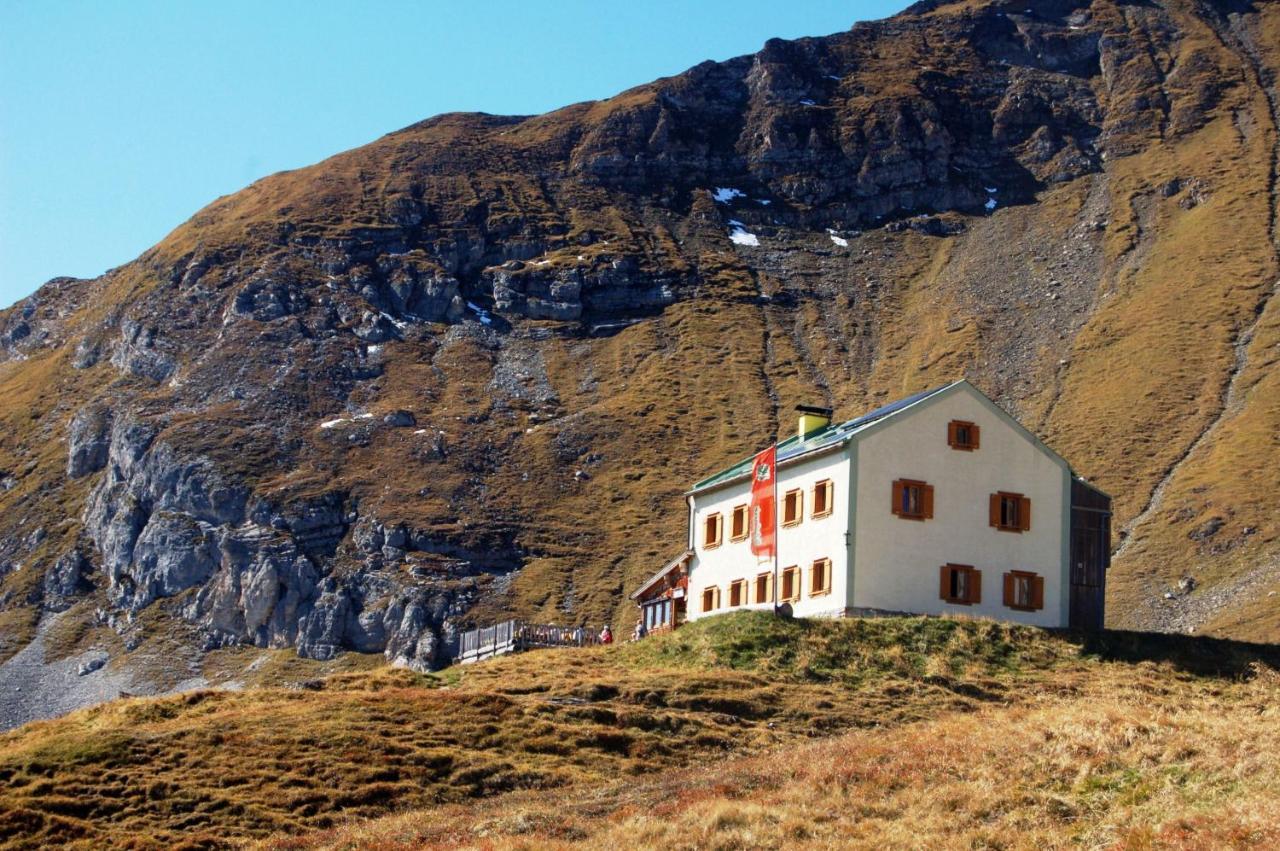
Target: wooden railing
[[513, 636]]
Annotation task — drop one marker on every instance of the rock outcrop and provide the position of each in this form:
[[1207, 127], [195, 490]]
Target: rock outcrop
[[465, 371]]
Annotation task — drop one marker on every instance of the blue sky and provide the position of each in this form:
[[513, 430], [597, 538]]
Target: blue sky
[[119, 120]]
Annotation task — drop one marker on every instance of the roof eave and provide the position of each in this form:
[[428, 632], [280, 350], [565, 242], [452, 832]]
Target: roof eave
[[787, 462], [667, 568], [1090, 485]]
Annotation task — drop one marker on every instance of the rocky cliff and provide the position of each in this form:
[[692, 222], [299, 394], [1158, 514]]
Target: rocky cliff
[[467, 369]]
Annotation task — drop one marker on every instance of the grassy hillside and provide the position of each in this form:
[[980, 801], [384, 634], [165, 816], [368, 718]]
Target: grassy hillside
[[1118, 299], [706, 724]]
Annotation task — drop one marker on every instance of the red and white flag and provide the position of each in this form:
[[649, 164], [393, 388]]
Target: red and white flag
[[764, 528]]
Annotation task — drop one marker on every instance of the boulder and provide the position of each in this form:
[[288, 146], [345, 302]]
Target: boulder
[[65, 580], [400, 419], [88, 442]]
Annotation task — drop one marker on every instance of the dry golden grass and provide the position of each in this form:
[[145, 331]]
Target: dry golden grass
[[596, 726], [1130, 762]]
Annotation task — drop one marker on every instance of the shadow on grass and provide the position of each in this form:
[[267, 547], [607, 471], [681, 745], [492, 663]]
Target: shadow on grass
[[1195, 654]]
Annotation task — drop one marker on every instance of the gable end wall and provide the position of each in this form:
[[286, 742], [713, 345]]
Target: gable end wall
[[896, 562]]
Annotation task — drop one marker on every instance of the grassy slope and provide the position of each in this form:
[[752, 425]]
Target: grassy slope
[[1129, 769], [600, 725]]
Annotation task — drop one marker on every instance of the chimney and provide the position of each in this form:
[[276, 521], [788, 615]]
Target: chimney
[[812, 419]]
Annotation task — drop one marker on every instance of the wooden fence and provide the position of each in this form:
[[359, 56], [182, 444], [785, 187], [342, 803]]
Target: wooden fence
[[513, 636]]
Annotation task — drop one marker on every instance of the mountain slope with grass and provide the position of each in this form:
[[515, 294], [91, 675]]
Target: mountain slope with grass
[[465, 371], [737, 729]]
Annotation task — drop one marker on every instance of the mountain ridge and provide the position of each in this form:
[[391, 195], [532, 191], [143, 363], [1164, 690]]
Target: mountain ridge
[[465, 371]]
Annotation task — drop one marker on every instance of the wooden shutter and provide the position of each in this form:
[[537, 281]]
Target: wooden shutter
[[897, 497], [765, 596], [1008, 589], [1037, 592], [944, 584], [1024, 513], [973, 436], [792, 507], [995, 510], [926, 500], [975, 586], [822, 493], [952, 428], [820, 577]]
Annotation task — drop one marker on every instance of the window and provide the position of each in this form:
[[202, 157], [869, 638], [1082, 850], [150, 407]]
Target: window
[[1023, 590], [1010, 512], [961, 584], [738, 525], [912, 500], [712, 530], [790, 584], [657, 614], [764, 588], [792, 507], [823, 497], [820, 577], [738, 592], [962, 435], [710, 599]]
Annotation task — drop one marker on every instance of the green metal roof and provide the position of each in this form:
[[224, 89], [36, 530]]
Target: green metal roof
[[794, 447]]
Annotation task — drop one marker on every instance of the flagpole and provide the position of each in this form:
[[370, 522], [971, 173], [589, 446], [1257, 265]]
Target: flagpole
[[777, 538]]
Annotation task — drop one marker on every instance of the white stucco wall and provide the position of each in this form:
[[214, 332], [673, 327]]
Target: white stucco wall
[[897, 561], [797, 545]]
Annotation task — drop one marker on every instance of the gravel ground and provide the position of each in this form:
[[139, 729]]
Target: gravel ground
[[32, 689], [1190, 612]]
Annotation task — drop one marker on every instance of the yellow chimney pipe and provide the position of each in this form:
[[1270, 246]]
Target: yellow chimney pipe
[[812, 419]]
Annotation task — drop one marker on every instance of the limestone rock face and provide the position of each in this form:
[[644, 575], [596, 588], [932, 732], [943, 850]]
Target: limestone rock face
[[141, 350], [65, 581], [465, 372], [164, 524], [88, 442]]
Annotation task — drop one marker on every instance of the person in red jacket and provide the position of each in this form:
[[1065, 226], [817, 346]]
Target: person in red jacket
[[606, 635]]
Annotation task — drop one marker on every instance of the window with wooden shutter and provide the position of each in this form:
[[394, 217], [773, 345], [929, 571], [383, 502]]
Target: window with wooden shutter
[[1024, 590], [764, 588], [712, 530], [820, 577], [792, 507], [823, 498], [1010, 512], [738, 592], [912, 500], [738, 525], [790, 584], [962, 435], [960, 584], [710, 598]]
